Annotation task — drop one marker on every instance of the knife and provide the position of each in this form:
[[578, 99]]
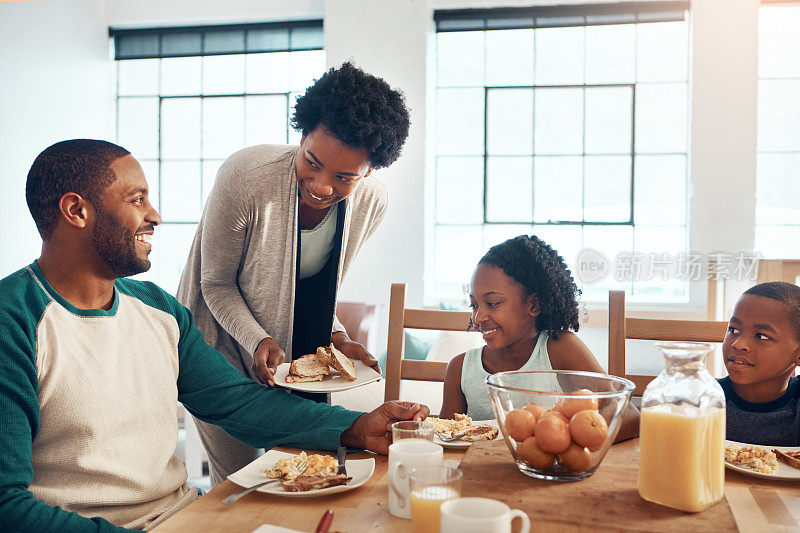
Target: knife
[[341, 453]]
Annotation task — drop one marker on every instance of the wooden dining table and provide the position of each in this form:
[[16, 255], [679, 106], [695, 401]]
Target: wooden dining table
[[606, 501]]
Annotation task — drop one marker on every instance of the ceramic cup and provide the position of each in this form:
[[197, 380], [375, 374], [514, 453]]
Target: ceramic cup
[[404, 456], [479, 515]]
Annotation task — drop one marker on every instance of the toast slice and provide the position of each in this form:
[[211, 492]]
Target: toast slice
[[315, 482], [307, 368], [480, 432], [304, 379], [338, 361], [790, 458]]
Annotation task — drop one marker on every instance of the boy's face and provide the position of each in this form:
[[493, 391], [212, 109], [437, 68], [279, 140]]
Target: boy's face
[[761, 348]]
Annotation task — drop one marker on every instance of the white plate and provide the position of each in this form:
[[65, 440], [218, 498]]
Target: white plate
[[784, 472], [461, 443], [253, 474], [332, 383]]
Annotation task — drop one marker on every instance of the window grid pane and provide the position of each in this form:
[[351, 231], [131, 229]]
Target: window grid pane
[[572, 135], [778, 152], [182, 116]]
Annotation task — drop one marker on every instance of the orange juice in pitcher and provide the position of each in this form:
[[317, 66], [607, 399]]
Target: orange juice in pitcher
[[682, 432]]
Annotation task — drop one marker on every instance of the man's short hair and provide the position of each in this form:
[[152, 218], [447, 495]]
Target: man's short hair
[[80, 166], [786, 293]]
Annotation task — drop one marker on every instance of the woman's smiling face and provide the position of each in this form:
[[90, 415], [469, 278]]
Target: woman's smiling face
[[328, 171]]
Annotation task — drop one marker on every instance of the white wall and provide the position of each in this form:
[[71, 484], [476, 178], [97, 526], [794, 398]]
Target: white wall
[[54, 64], [56, 84], [144, 13], [389, 39]]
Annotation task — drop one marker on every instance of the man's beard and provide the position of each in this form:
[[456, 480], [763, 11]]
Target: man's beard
[[116, 245]]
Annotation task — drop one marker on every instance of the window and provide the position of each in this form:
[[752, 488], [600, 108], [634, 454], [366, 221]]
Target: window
[[187, 98], [568, 122], [778, 156]]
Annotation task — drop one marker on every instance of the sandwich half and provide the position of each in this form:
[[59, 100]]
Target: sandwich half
[[307, 368], [790, 458], [338, 361]]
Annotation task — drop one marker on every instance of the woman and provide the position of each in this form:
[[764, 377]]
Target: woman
[[280, 230]]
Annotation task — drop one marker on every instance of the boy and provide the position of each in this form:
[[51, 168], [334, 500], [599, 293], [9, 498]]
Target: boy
[[761, 351]]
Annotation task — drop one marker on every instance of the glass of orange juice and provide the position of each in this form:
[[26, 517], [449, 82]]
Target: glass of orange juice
[[429, 488]]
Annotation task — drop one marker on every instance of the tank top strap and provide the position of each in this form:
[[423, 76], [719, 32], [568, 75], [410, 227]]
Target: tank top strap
[[473, 377], [539, 359]]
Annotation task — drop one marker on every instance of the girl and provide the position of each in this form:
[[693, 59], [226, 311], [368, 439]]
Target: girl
[[524, 301]]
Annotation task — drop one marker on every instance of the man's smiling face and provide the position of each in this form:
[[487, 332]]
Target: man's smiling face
[[125, 220]]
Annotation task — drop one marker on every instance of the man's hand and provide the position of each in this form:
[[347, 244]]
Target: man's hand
[[373, 431], [266, 360], [353, 350]]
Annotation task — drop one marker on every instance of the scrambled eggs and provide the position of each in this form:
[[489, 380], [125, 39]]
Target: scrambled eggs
[[446, 426], [291, 467], [752, 457]]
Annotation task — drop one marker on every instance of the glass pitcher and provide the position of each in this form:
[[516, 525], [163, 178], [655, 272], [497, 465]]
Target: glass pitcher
[[682, 432]]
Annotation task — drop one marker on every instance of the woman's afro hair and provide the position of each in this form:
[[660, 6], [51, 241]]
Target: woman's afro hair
[[536, 266], [360, 110]]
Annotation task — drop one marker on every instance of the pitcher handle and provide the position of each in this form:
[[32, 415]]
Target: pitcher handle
[[398, 470], [526, 523]]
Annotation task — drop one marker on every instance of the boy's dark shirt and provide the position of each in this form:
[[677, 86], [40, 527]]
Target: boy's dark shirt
[[775, 423]]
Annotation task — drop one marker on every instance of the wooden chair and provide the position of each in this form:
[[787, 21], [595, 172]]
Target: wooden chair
[[358, 319], [723, 293], [621, 328], [401, 318], [778, 270]]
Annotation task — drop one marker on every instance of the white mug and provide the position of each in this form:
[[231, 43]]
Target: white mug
[[479, 515], [405, 455]]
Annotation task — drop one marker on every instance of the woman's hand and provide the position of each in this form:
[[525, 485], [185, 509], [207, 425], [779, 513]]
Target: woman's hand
[[266, 360], [353, 350]]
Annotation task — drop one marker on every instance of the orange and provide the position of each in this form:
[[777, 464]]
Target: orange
[[536, 410], [530, 452], [520, 424], [570, 406], [556, 414], [552, 434], [576, 458], [589, 428]]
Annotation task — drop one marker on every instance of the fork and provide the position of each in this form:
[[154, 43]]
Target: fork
[[342, 457], [446, 438], [233, 497]]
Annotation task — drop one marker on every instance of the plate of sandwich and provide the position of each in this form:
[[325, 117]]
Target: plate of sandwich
[[303, 475], [328, 370], [462, 425], [769, 462]]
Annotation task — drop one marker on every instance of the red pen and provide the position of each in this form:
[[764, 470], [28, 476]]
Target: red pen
[[325, 522]]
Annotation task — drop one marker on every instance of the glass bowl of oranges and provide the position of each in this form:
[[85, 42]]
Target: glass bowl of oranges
[[558, 424]]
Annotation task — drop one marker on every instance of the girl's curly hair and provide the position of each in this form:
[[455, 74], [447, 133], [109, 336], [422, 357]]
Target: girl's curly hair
[[359, 109], [536, 266]]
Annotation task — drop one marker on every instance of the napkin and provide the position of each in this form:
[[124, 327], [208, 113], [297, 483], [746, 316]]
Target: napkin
[[269, 528]]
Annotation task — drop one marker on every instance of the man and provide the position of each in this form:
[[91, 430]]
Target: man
[[92, 364]]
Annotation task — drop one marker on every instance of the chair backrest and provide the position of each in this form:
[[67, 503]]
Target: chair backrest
[[621, 328], [778, 270], [723, 293], [401, 318], [358, 319]]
